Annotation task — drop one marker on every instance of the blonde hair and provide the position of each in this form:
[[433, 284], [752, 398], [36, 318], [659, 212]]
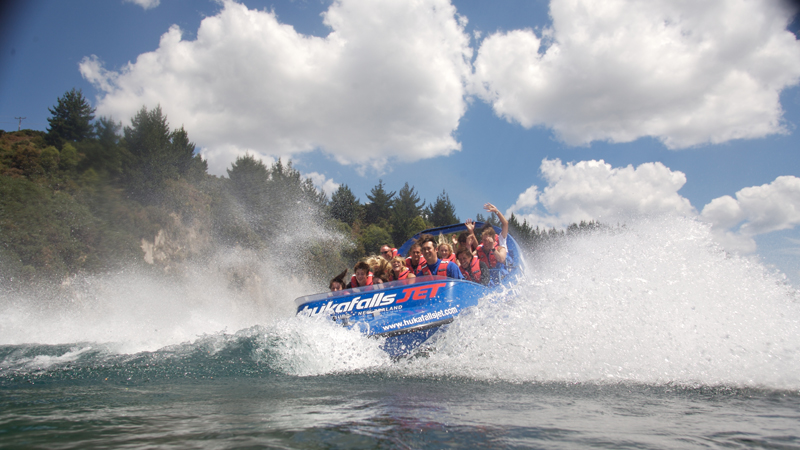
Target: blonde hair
[[398, 258], [380, 267]]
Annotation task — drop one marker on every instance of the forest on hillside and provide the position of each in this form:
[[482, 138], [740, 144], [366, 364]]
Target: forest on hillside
[[89, 195]]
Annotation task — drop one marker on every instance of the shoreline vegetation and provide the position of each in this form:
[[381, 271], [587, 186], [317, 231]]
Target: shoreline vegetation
[[90, 196]]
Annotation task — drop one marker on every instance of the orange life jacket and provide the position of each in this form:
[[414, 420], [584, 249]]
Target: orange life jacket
[[440, 271], [474, 271], [420, 263], [490, 259], [403, 275], [354, 280]]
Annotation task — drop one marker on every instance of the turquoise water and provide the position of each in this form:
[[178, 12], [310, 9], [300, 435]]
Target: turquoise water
[[188, 398], [649, 337]]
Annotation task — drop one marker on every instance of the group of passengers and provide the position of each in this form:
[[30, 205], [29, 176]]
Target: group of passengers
[[482, 262]]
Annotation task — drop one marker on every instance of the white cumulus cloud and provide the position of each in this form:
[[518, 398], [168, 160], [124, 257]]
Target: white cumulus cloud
[[755, 210], [686, 73], [388, 82], [594, 190]]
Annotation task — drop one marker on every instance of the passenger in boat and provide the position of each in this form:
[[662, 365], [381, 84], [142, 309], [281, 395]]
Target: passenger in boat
[[467, 239], [388, 252], [445, 252], [337, 283], [380, 268], [471, 267], [414, 258], [399, 269], [362, 276], [434, 265], [492, 250]]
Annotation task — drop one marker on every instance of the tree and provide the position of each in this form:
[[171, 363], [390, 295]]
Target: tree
[[442, 212], [71, 121], [344, 205], [249, 177], [288, 188], [405, 208], [104, 153], [373, 237], [156, 154], [379, 208]]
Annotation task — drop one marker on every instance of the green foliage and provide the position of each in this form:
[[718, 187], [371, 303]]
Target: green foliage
[[49, 159], [104, 154], [442, 212], [344, 205], [86, 202], [156, 154], [69, 158], [71, 120], [379, 208], [266, 201], [49, 231], [373, 237], [405, 208]]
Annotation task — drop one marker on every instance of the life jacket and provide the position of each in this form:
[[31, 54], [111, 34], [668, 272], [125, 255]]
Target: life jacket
[[441, 270], [420, 263], [451, 258], [354, 280], [403, 275], [394, 252], [497, 270], [474, 271], [490, 259]]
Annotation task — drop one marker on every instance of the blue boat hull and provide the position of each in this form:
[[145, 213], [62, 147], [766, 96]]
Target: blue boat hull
[[405, 312]]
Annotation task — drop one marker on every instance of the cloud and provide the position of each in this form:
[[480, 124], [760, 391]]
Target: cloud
[[755, 210], [323, 183], [146, 4], [686, 73], [387, 83], [594, 190]]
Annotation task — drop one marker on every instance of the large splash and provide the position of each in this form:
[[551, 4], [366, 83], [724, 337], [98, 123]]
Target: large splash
[[655, 302]]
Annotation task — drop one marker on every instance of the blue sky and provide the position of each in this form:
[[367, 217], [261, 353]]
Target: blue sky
[[557, 111]]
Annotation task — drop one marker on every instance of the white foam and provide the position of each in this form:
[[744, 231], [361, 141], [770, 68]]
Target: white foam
[[658, 302]]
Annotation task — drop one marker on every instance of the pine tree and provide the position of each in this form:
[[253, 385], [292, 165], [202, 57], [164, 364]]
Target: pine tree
[[405, 208], [379, 208], [442, 212], [71, 121], [344, 205], [156, 153]]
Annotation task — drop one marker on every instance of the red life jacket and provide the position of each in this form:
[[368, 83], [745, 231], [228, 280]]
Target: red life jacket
[[451, 258], [420, 263], [440, 271], [490, 260], [354, 280], [403, 275], [474, 272]]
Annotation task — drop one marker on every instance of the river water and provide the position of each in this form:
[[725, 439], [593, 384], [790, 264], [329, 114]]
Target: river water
[[645, 337]]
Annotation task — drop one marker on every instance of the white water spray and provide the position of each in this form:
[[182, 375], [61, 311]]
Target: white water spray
[[656, 302]]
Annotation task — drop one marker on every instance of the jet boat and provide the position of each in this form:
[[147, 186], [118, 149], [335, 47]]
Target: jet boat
[[408, 312]]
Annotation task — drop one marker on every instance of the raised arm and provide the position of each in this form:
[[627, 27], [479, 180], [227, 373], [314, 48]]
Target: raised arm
[[492, 209]]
